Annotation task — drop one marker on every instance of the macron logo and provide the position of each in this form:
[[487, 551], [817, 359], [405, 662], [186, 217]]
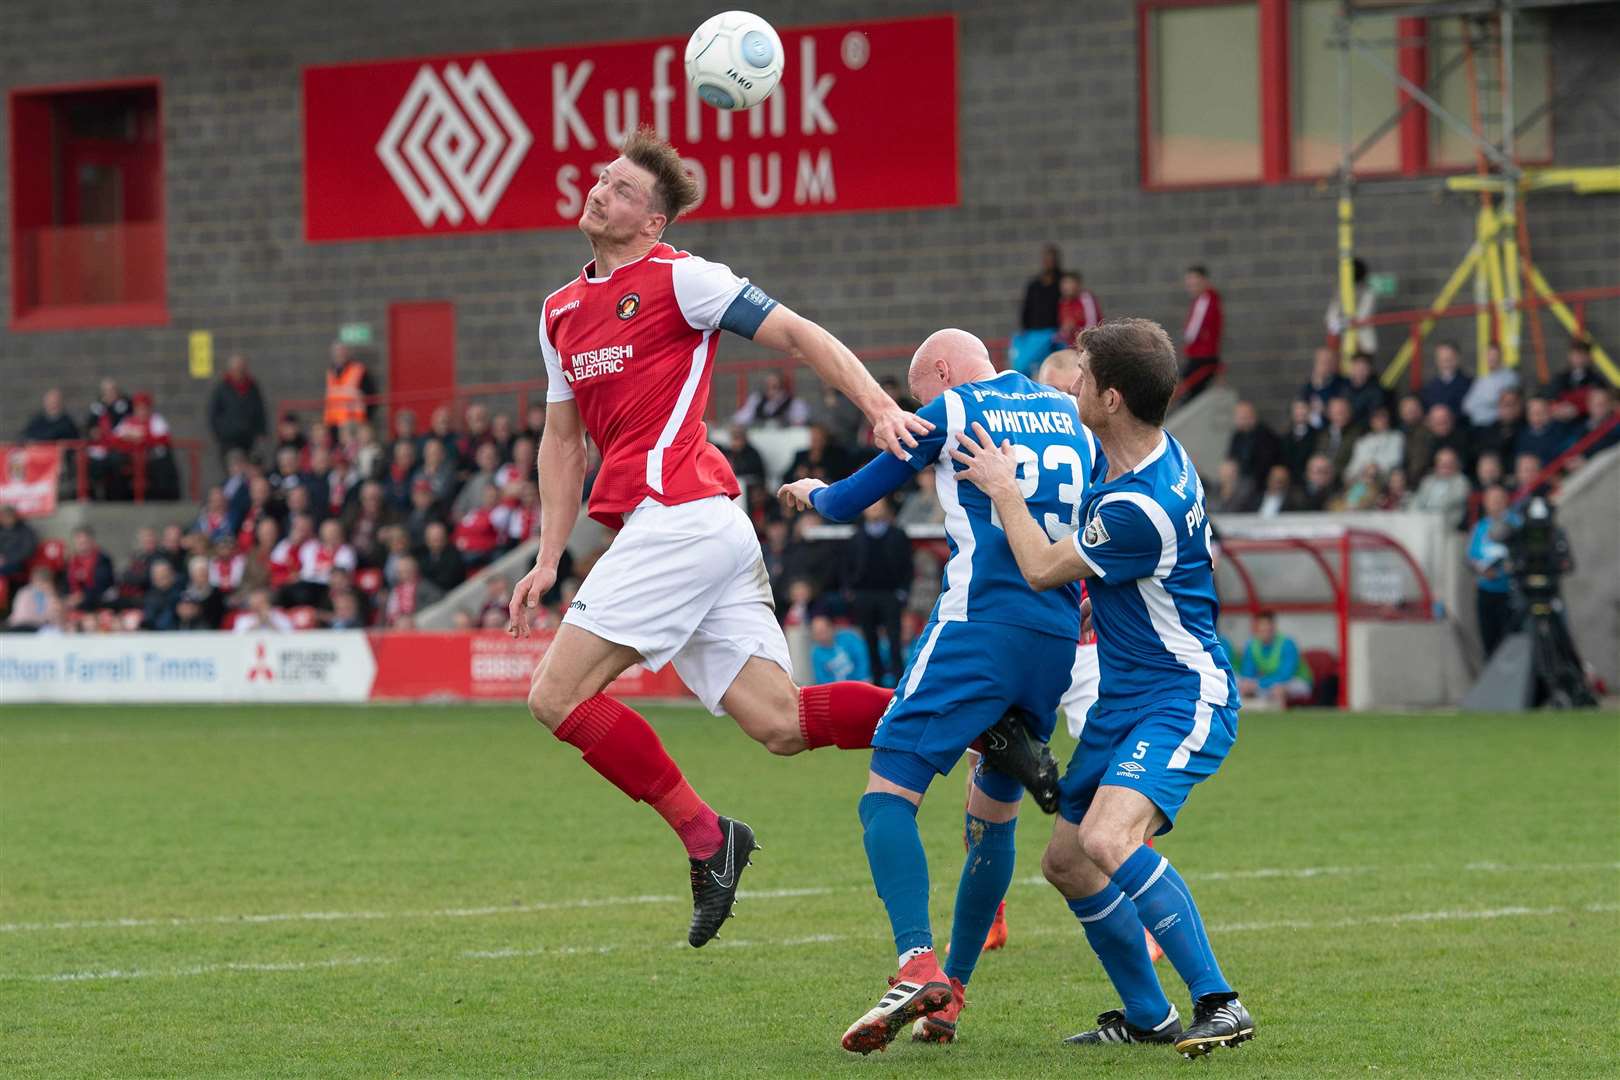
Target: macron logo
[[570, 306]]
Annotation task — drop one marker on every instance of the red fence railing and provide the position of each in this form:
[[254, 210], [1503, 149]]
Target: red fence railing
[[1576, 300], [1553, 471], [1331, 556]]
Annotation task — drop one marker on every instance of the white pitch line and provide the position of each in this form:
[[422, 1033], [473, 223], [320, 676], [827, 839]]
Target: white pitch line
[[200, 969], [277, 967], [484, 911], [362, 916]]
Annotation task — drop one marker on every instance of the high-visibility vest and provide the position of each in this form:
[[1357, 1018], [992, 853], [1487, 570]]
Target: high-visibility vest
[[343, 395]]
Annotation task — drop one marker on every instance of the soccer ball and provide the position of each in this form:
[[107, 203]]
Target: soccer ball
[[734, 60]]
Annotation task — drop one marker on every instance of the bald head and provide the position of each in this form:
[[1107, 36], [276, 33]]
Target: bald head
[[1059, 370], [948, 358]]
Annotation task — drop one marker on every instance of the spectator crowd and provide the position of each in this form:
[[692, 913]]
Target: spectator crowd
[[1350, 444], [338, 528]]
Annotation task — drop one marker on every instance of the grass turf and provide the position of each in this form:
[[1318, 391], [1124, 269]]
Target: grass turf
[[446, 891]]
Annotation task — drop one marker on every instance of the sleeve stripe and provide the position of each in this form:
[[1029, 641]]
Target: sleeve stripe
[[1161, 521], [1195, 321], [1081, 551]]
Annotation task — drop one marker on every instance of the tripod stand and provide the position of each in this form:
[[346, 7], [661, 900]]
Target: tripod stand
[[1560, 680]]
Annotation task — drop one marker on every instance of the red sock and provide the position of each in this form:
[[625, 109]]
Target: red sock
[[841, 714], [618, 743]]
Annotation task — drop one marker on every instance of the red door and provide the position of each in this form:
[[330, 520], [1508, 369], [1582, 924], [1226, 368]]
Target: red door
[[421, 357]]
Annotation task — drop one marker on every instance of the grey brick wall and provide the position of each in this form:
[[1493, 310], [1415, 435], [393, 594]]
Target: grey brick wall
[[1033, 170]]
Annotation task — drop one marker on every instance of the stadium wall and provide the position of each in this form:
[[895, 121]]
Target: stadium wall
[[1032, 171]]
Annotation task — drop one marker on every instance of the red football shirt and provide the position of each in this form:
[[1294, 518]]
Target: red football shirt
[[635, 351]]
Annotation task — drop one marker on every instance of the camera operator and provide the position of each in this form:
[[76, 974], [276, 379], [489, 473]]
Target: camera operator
[[1538, 556]]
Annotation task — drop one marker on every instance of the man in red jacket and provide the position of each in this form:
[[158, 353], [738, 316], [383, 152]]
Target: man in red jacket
[[1201, 338]]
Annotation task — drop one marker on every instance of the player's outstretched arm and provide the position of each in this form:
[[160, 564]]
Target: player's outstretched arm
[[893, 429], [561, 467], [994, 471], [844, 501]]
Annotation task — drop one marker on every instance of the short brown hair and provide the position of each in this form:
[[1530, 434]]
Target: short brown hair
[[674, 190], [1134, 357]]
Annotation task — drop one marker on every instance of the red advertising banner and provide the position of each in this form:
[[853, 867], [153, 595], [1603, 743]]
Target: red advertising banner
[[28, 478], [489, 666], [864, 119]]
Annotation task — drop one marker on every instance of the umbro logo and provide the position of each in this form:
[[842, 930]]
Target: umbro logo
[[1167, 922], [1130, 770]]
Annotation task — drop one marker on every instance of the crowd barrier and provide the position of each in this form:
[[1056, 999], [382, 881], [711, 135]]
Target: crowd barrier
[[317, 666]]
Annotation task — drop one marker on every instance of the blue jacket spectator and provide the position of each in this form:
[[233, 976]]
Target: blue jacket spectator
[[1325, 382], [836, 655], [1449, 386], [1272, 670], [1542, 436], [1487, 555]]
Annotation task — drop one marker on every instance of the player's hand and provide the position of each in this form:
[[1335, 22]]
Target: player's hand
[[896, 431], [796, 496], [989, 467], [1085, 616], [526, 599]]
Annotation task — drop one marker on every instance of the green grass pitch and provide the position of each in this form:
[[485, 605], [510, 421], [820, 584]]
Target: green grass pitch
[[447, 891]]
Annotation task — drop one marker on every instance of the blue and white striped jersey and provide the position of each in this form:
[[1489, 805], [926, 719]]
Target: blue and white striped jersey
[[1153, 600], [982, 582]]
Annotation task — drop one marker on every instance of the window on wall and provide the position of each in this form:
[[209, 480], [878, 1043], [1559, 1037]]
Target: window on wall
[[87, 238], [1204, 129], [1247, 91], [1532, 81], [1314, 92]]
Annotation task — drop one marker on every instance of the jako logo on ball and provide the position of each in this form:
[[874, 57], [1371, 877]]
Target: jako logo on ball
[[734, 60]]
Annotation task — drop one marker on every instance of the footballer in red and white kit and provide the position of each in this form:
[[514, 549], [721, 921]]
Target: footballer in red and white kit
[[629, 348]]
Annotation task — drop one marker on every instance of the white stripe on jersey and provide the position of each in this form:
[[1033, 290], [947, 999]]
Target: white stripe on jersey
[[672, 426], [1181, 644], [1161, 609], [953, 602], [1194, 742]]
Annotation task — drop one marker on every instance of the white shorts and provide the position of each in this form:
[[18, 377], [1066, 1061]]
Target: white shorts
[[687, 584], [1082, 693]]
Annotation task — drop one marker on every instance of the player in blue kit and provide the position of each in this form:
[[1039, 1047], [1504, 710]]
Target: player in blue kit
[[1166, 714], [991, 644]]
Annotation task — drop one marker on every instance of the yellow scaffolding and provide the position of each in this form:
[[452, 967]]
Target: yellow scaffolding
[[1498, 260]]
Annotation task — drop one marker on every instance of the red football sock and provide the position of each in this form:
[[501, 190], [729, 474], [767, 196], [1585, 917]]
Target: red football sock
[[618, 743], [841, 714]]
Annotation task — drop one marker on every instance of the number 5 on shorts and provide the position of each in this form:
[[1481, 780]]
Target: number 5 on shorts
[[1141, 750]]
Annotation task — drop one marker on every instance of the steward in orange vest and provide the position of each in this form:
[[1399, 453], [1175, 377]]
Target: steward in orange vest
[[344, 389]]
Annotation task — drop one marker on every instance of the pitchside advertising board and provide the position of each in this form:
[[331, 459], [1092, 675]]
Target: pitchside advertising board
[[864, 119], [330, 666]]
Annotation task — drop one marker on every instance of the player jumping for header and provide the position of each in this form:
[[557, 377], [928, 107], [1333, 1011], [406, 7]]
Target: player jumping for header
[[991, 644], [629, 347], [1168, 706]]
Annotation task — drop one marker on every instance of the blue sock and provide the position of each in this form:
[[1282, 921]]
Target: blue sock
[[1166, 907], [1115, 934], [899, 867], [985, 877]]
